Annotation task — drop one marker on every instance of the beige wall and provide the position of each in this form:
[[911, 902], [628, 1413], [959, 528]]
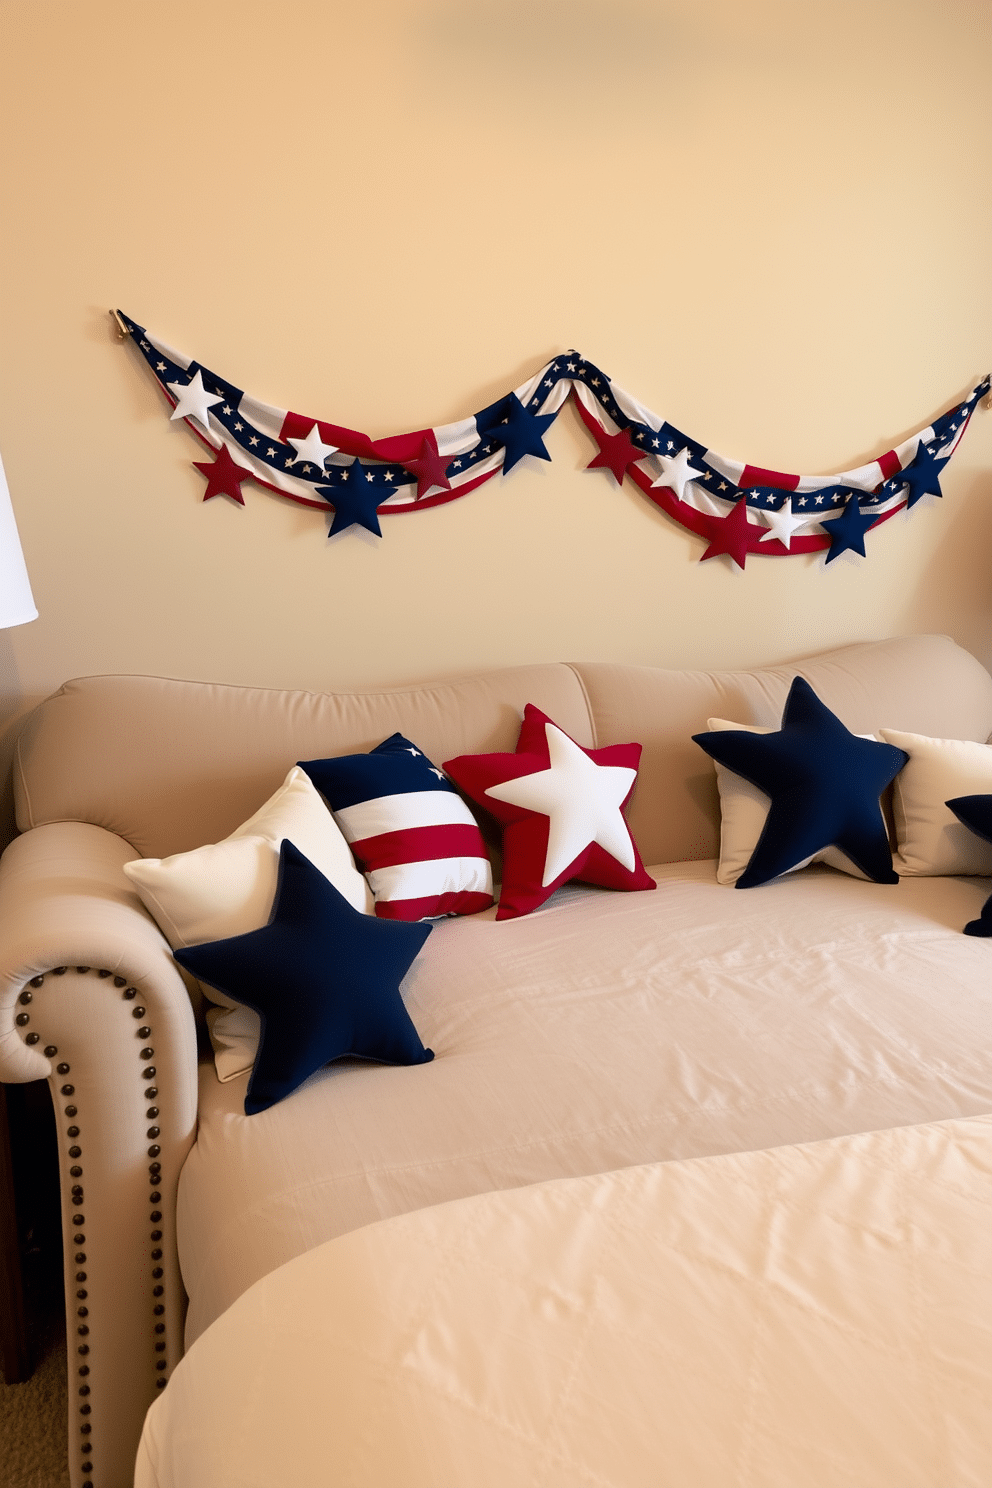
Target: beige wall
[[769, 222]]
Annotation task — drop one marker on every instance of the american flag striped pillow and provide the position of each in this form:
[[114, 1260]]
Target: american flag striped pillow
[[410, 831]]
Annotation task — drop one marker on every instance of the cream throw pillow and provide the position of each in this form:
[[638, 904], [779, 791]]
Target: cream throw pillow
[[931, 839], [743, 812], [228, 888]]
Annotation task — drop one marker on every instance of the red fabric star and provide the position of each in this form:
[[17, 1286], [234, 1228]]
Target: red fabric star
[[616, 452], [224, 476], [570, 818], [429, 467], [732, 534]]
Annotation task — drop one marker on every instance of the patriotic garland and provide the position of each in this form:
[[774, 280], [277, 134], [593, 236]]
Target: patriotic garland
[[735, 508]]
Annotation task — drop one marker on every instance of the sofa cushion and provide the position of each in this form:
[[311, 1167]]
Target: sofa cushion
[[976, 814], [412, 833], [561, 811], [824, 785], [323, 978], [929, 835], [227, 888], [743, 813]]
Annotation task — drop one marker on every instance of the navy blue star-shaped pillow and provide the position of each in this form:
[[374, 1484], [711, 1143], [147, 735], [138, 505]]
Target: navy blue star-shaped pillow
[[976, 814], [824, 784], [324, 979]]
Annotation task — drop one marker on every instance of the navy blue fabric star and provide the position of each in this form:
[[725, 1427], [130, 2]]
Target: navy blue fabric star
[[848, 530], [975, 812], [921, 476], [323, 977], [354, 501], [824, 784], [519, 432]]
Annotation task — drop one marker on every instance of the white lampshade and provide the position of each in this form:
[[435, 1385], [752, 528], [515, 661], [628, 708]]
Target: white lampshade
[[16, 600]]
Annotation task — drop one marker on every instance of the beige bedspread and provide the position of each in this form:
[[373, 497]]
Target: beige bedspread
[[816, 1316], [603, 1031]]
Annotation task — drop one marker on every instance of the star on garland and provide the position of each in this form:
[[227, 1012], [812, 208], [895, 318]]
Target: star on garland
[[732, 534], [848, 530], [193, 400], [312, 448], [224, 476], [519, 432], [616, 453], [677, 472], [430, 468], [354, 504], [783, 523], [920, 476]]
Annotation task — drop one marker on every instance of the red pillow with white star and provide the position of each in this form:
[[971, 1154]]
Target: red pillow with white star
[[561, 807]]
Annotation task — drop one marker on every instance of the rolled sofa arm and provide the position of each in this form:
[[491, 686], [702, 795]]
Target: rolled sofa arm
[[92, 1000]]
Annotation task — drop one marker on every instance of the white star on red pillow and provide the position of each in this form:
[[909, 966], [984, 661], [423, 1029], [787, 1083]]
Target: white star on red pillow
[[561, 807]]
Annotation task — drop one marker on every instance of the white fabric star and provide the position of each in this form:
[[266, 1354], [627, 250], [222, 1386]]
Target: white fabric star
[[312, 448], [783, 523], [193, 400], [581, 799], [677, 472]]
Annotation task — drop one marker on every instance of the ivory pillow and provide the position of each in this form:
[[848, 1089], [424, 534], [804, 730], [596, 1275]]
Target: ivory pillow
[[930, 838], [743, 811], [228, 888]]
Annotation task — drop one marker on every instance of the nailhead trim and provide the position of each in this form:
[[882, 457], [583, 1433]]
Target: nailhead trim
[[77, 1194]]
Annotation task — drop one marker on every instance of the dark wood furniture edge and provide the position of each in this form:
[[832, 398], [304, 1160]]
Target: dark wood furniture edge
[[14, 1356]]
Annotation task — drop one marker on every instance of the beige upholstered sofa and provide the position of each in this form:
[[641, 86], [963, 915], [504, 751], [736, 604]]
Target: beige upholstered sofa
[[602, 1031]]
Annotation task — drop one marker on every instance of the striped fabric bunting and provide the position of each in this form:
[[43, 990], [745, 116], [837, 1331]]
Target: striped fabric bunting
[[738, 509]]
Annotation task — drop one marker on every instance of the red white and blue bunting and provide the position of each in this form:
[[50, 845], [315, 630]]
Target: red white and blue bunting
[[736, 508]]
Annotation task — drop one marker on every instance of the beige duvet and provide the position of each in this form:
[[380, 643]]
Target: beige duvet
[[604, 1031], [816, 1316]]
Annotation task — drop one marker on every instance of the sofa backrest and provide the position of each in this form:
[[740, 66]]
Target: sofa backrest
[[919, 684], [169, 765]]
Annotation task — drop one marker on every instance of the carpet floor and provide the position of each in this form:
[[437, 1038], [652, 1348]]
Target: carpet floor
[[33, 1437]]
